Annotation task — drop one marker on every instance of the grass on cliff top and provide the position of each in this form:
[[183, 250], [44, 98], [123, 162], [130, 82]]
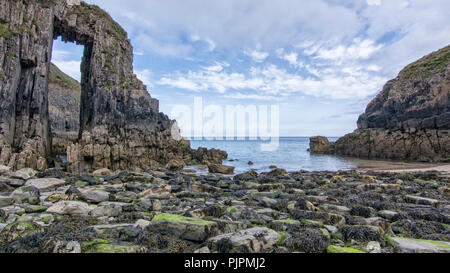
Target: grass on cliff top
[[58, 77], [87, 10], [433, 63]]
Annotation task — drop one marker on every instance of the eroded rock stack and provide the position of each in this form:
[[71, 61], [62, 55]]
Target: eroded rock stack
[[120, 125], [408, 120]]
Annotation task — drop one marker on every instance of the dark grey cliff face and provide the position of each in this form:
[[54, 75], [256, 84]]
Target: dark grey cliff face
[[409, 119], [419, 98], [120, 126]]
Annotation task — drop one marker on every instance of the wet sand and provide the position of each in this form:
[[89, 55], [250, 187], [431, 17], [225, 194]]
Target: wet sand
[[396, 166]]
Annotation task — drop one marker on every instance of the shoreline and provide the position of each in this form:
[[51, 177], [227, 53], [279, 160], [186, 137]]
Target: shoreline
[[399, 167], [362, 166]]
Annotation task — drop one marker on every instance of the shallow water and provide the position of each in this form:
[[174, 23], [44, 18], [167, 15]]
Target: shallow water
[[291, 155]]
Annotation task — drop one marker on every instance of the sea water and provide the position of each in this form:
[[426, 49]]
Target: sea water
[[292, 154]]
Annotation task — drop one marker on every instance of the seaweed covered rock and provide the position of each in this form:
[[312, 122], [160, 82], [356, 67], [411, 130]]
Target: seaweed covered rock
[[192, 229], [168, 211], [309, 241]]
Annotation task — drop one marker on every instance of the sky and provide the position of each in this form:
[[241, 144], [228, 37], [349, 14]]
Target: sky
[[320, 61]]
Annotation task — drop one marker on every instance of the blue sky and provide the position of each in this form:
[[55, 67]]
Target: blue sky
[[321, 61]]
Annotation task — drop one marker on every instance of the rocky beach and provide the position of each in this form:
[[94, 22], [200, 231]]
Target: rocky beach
[[162, 211]]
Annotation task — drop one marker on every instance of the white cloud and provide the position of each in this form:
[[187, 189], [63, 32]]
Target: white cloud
[[145, 76], [329, 42], [291, 58], [242, 96], [374, 2], [211, 44], [231, 23], [359, 49], [257, 56], [171, 48], [62, 59], [274, 81], [217, 67], [71, 68], [326, 48]]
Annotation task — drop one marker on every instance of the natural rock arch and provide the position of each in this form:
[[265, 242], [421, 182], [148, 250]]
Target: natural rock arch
[[120, 124]]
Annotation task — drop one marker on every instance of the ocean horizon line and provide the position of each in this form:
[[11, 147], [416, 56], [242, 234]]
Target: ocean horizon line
[[249, 138]]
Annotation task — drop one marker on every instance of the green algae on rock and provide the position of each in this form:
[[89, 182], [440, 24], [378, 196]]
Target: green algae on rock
[[193, 229], [342, 250]]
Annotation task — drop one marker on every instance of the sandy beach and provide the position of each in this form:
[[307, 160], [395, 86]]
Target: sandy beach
[[397, 167]]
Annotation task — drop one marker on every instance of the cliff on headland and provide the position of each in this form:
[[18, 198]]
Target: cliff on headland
[[119, 123], [409, 120]]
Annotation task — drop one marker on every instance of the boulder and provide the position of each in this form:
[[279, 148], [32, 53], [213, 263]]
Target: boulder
[[109, 209], [6, 201], [421, 200], [4, 169], [73, 208], [187, 228], [157, 192], [221, 169], [254, 240], [108, 231], [247, 176], [12, 182], [104, 246], [24, 174], [409, 245], [103, 172], [319, 144], [45, 184], [94, 196], [175, 165], [277, 172], [26, 194], [203, 156]]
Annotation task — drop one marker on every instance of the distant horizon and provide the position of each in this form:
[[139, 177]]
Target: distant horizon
[[224, 138]]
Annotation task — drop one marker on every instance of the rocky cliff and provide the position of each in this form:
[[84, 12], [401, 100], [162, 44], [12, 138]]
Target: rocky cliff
[[64, 95], [408, 120], [120, 126]]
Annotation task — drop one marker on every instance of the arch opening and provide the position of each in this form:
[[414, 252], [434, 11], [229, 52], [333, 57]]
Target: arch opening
[[64, 95]]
